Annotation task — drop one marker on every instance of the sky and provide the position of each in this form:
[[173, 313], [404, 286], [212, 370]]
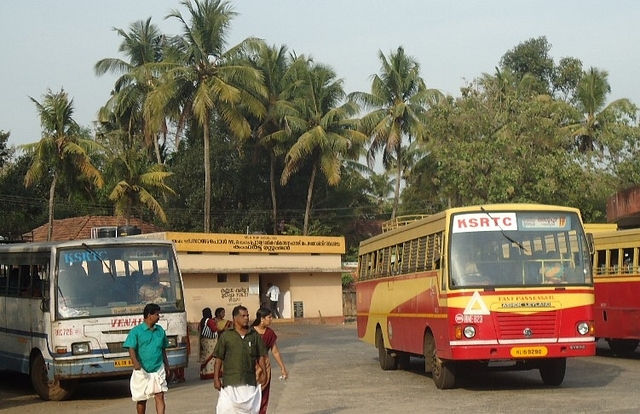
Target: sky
[[55, 44]]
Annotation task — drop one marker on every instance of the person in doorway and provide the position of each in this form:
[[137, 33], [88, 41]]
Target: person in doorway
[[273, 293], [262, 325], [221, 322], [147, 343], [208, 339], [240, 349]]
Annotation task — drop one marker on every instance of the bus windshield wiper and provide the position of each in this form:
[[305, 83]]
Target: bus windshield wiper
[[96, 254], [517, 243]]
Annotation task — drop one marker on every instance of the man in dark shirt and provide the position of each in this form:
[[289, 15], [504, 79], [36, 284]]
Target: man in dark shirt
[[239, 348]]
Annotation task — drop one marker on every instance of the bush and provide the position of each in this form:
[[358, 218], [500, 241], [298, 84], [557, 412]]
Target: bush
[[347, 279]]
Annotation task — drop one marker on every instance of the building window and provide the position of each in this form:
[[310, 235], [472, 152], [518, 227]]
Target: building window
[[222, 278], [244, 277]]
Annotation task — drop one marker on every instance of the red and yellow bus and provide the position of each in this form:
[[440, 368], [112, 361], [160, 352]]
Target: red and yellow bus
[[504, 286], [617, 283]]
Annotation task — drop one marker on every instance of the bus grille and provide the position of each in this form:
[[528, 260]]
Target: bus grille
[[116, 347], [512, 326]]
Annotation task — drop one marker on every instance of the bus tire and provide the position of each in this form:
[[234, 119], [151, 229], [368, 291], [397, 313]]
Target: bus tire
[[552, 371], [623, 347], [48, 390], [387, 361], [442, 371]]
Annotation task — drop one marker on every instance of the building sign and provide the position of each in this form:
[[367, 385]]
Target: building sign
[[234, 296], [256, 243]]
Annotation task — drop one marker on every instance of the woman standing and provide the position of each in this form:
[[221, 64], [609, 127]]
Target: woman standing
[[208, 340], [221, 323], [264, 317]]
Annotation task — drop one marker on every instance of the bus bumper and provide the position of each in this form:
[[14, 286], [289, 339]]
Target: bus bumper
[[96, 366], [521, 351]]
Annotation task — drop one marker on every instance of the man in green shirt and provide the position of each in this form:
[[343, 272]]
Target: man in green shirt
[[147, 345], [239, 348]]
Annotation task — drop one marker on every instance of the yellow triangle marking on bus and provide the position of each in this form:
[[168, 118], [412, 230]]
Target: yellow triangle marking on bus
[[476, 306]]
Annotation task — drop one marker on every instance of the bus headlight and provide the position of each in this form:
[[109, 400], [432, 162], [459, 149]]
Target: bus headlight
[[173, 341], [80, 348], [469, 331], [583, 328]]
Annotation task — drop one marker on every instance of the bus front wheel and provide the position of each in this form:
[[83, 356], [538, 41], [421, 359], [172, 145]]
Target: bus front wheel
[[443, 372], [48, 390], [387, 361], [552, 371]]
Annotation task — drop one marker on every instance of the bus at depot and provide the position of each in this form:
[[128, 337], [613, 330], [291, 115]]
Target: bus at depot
[[67, 307], [616, 267], [495, 287]]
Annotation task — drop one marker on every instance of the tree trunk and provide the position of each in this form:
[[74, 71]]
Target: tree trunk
[[127, 216], [307, 211], [207, 176], [272, 181], [52, 192], [156, 146], [396, 194]]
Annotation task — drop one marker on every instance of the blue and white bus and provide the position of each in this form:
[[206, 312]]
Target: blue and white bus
[[67, 307]]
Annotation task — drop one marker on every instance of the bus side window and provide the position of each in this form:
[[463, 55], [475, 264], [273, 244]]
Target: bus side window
[[37, 286], [26, 285], [628, 255], [3, 281], [14, 282], [614, 255], [601, 259]]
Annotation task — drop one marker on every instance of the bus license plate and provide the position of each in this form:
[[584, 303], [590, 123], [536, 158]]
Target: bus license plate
[[529, 351], [123, 363]]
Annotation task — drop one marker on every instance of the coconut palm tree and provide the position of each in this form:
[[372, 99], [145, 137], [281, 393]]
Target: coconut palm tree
[[145, 46], [61, 153], [398, 102], [211, 82], [591, 97], [382, 188], [140, 179], [270, 132], [325, 130]]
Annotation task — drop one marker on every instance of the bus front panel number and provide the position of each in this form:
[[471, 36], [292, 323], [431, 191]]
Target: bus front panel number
[[529, 351], [123, 363]]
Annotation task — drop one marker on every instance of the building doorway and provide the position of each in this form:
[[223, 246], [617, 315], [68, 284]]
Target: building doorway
[[283, 282]]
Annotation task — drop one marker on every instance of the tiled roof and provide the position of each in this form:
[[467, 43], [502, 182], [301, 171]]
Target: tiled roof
[[80, 227]]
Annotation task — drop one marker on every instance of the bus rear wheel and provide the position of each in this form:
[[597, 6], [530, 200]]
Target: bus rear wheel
[[443, 372], [48, 390], [387, 361], [623, 347], [552, 371]]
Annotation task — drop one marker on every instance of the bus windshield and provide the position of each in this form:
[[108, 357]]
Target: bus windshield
[[116, 280], [518, 249]]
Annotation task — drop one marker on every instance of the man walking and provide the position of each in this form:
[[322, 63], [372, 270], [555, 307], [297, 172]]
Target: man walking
[[273, 293], [240, 349], [147, 345]]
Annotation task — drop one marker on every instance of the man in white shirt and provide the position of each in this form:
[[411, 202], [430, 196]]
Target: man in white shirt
[[273, 293]]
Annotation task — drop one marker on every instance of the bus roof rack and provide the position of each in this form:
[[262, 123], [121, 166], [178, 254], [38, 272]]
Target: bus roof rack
[[401, 221]]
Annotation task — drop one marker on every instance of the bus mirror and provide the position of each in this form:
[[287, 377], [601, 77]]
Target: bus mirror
[[590, 243]]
